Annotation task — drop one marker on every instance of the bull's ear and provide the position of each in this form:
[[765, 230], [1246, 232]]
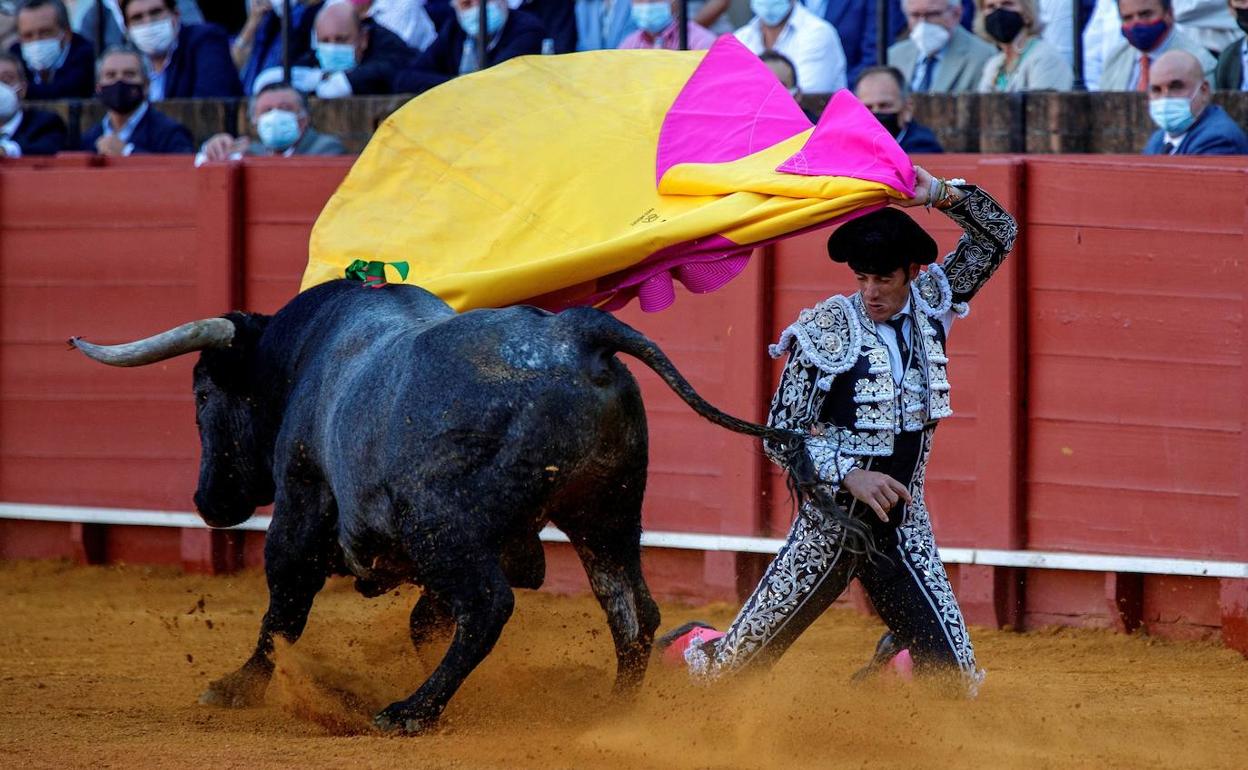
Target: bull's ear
[[248, 328]]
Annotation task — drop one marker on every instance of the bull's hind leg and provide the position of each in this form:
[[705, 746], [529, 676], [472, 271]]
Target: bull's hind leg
[[296, 562], [524, 564], [474, 588], [608, 540]]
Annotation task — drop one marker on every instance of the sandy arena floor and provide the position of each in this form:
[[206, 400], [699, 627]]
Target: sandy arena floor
[[101, 667]]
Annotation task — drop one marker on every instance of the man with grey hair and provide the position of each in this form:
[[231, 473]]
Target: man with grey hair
[[131, 126], [59, 64], [939, 56], [279, 113]]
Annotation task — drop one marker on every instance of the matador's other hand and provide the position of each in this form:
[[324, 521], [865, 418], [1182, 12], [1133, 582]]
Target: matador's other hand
[[878, 490]]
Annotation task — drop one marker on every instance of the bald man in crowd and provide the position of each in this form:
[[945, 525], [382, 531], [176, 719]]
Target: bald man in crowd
[[354, 56], [1187, 124]]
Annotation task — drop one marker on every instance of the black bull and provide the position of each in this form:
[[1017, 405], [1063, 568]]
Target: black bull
[[402, 442]]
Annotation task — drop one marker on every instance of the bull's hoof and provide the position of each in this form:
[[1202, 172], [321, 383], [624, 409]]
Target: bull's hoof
[[400, 717], [237, 690]]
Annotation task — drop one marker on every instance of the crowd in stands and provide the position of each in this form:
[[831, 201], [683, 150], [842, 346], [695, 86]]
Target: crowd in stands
[[1176, 51]]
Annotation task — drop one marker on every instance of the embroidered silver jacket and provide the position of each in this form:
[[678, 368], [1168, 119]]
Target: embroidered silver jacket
[[831, 338]]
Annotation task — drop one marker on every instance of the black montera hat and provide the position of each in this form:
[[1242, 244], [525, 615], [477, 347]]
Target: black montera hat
[[880, 242]]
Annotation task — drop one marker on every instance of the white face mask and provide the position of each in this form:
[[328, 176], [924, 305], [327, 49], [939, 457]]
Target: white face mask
[[154, 38], [40, 55], [9, 103], [929, 38]]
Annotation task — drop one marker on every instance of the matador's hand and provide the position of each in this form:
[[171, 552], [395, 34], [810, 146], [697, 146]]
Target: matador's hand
[[878, 490]]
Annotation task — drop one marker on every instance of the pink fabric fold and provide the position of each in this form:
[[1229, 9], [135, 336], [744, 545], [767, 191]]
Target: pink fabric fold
[[732, 106], [849, 141]]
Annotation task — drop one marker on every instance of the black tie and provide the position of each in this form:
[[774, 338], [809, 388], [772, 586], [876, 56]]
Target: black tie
[[1171, 147], [899, 326]]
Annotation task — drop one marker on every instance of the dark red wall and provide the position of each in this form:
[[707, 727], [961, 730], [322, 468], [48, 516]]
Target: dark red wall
[[1098, 382]]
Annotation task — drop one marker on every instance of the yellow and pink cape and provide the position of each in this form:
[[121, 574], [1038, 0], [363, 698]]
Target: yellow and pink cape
[[594, 178]]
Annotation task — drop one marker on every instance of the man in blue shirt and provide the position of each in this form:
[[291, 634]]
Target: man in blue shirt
[[131, 126], [59, 64], [184, 61]]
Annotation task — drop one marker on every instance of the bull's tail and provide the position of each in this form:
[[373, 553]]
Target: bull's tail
[[607, 334]]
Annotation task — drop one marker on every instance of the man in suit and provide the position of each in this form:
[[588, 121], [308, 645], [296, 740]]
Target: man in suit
[[350, 56], [185, 61], [24, 131], [131, 126], [1148, 26], [59, 64], [1232, 70], [939, 56], [115, 25], [282, 120], [883, 91], [1187, 124], [509, 34]]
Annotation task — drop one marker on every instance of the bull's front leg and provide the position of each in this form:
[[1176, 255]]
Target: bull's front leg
[[296, 563], [480, 601]]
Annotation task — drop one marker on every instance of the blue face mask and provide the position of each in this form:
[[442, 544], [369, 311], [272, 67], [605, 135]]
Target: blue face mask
[[652, 17], [495, 17], [771, 12], [278, 129], [1146, 36], [335, 57], [1172, 114]]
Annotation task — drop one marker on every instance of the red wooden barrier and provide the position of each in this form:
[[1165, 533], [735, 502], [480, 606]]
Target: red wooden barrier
[[1099, 383]]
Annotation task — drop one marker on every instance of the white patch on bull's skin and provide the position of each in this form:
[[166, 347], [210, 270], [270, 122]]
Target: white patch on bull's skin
[[523, 353]]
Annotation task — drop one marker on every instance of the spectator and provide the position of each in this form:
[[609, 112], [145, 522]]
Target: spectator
[[711, 14], [58, 62], [786, 73], [1054, 27], [1148, 25], [1232, 71], [258, 47], [602, 24], [279, 113], [657, 27], [88, 24], [785, 26], [1187, 124], [883, 91], [1026, 62], [510, 34], [24, 131], [558, 17], [350, 56], [131, 126], [855, 24], [940, 56], [1102, 36], [1206, 22], [184, 61], [405, 18]]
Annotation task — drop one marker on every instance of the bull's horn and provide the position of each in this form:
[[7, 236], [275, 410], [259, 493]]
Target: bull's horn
[[187, 338]]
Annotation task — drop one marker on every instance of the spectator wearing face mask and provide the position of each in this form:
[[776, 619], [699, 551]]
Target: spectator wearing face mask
[[1232, 70], [350, 56], [1148, 25], [88, 24], [1187, 124], [657, 28], [25, 131], [279, 113], [258, 46], [1026, 62], [184, 61], [406, 18], [883, 91], [939, 56], [785, 26], [131, 126], [59, 64], [508, 34]]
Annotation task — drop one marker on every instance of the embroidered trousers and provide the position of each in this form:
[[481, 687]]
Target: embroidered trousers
[[908, 586]]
